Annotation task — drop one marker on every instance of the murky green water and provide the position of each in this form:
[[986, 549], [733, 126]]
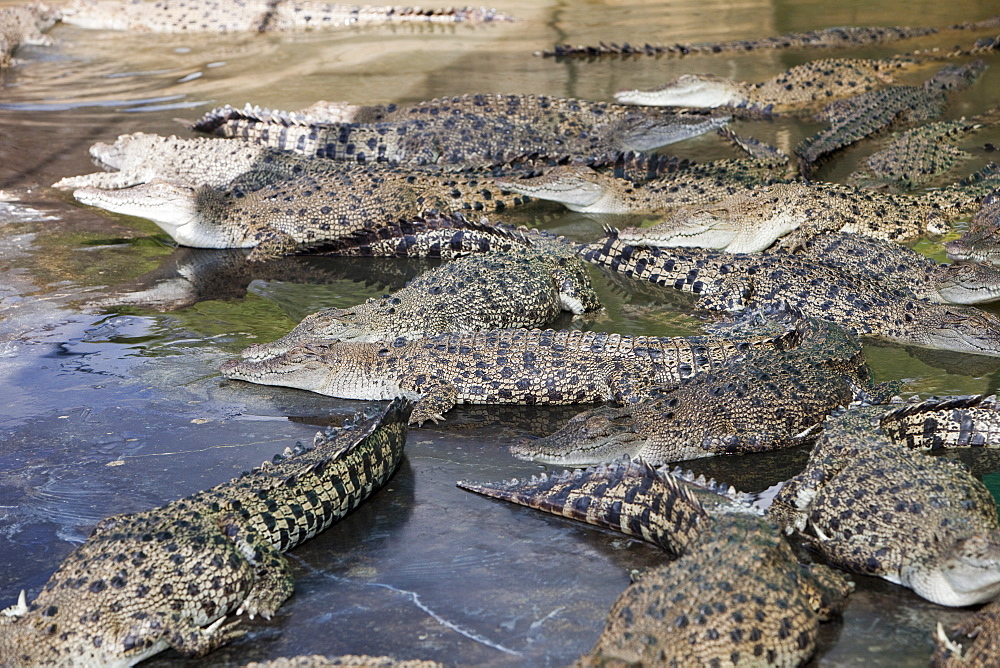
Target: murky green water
[[107, 412]]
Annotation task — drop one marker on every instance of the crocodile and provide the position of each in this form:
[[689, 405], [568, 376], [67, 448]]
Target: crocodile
[[735, 595], [855, 118], [765, 401], [751, 220], [176, 16], [357, 660], [517, 288], [976, 642], [469, 131], [733, 282], [24, 24], [915, 157], [172, 577], [945, 422], [300, 213], [981, 242], [803, 85], [874, 507], [510, 366]]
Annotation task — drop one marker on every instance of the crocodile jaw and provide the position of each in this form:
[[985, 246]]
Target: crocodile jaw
[[975, 283], [969, 573], [705, 229], [577, 188], [592, 437], [968, 330], [703, 91], [646, 134], [173, 207]]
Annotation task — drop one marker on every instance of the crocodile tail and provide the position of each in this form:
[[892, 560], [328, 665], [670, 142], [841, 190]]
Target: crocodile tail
[[627, 496], [945, 422]]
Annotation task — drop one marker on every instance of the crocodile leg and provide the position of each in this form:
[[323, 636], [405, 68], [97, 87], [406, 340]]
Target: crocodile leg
[[272, 582]]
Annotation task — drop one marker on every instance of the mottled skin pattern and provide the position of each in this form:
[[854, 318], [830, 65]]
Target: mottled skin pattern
[[915, 157], [170, 577], [947, 422], [24, 24], [734, 282], [360, 660], [470, 131], [877, 508], [299, 213], [803, 85], [526, 288], [582, 189], [514, 366], [173, 16], [765, 401], [981, 242], [736, 595], [974, 642], [863, 115], [750, 220], [904, 269]]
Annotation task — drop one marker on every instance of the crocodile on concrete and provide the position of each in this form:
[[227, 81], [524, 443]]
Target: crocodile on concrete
[[174, 16], [498, 290], [803, 85], [24, 24], [300, 213], [766, 401], [751, 220], [510, 366], [875, 507], [174, 576], [734, 282], [853, 119], [981, 242], [469, 131], [735, 595]]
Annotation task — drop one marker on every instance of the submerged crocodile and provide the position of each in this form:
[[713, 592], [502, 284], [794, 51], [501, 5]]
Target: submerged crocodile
[[512, 366], [852, 119], [874, 507], [468, 131], [753, 219], [733, 282], [802, 85], [172, 577], [298, 213], [172, 16], [24, 24], [518, 288], [765, 401], [915, 157], [735, 595], [981, 242]]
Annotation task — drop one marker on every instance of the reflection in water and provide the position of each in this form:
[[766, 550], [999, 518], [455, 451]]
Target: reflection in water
[[108, 413]]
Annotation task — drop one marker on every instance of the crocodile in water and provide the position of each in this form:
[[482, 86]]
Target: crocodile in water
[[981, 242], [735, 595], [875, 507], [767, 400], [469, 131], [172, 576], [803, 85], [852, 119], [172, 16], [498, 290], [733, 282], [298, 213], [511, 366], [752, 219]]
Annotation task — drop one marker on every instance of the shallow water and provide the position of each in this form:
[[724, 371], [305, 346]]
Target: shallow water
[[116, 411]]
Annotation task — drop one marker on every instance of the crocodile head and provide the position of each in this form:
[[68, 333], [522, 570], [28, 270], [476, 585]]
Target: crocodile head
[[130, 151], [348, 370], [967, 330], [330, 324], [598, 435], [182, 211], [689, 90], [973, 283], [967, 573], [644, 133], [577, 187]]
